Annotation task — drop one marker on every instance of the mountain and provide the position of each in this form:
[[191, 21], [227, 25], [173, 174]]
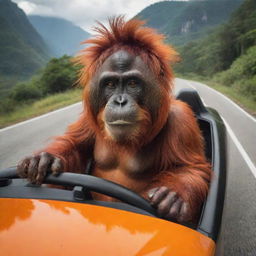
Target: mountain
[[227, 54], [61, 36], [22, 50], [183, 21], [217, 51]]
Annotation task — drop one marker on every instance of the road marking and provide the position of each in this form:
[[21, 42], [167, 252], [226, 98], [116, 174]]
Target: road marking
[[189, 84], [224, 96], [39, 117], [240, 148]]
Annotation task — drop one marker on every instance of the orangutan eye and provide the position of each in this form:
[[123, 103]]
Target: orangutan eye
[[110, 85], [132, 83]]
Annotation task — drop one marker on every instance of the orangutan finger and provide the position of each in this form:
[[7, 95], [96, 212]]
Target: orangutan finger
[[33, 168], [164, 206], [57, 166], [22, 167], [184, 213], [151, 192], [159, 195], [174, 209], [43, 166]]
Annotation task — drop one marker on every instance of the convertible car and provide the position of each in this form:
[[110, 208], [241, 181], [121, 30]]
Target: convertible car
[[39, 220]]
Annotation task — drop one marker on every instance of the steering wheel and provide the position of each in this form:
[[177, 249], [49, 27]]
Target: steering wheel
[[91, 183]]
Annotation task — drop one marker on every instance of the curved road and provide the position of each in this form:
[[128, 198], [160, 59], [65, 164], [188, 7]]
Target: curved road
[[239, 221]]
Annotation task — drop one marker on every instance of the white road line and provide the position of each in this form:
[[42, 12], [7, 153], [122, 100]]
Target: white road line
[[189, 84], [240, 148], [224, 96], [233, 103], [39, 117]]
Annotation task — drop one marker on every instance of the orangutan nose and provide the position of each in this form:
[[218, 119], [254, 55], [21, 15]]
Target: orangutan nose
[[120, 100]]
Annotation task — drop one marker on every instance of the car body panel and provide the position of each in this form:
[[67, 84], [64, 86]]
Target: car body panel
[[48, 227]]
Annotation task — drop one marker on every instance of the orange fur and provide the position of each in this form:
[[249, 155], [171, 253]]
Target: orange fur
[[138, 40], [174, 141]]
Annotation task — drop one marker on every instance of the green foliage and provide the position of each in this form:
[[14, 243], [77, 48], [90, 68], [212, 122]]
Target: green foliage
[[200, 57], [228, 54], [239, 34], [22, 50], [26, 91], [17, 58], [7, 105], [49, 103], [242, 68], [242, 74], [59, 75], [225, 44], [247, 87], [183, 21]]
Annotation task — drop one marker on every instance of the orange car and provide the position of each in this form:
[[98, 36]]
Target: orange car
[[38, 220]]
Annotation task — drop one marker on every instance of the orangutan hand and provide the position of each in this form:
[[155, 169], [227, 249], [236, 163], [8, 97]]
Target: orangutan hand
[[34, 168], [169, 205]]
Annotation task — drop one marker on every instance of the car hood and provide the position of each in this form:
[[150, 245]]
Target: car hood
[[47, 227]]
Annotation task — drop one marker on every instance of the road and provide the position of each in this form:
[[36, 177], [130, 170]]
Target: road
[[239, 220]]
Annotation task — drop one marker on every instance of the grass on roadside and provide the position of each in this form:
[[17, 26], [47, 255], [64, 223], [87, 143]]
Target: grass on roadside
[[243, 101], [45, 105]]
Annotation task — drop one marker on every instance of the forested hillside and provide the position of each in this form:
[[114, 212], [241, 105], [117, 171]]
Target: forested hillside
[[228, 54], [184, 21], [61, 36], [22, 50]]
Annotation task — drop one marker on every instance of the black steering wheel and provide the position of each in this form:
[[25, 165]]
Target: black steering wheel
[[91, 183]]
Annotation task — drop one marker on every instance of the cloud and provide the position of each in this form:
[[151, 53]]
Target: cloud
[[82, 12]]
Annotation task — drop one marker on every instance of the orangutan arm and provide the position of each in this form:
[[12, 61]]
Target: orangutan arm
[[179, 190], [69, 152]]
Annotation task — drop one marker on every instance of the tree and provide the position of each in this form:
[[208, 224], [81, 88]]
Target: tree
[[59, 75]]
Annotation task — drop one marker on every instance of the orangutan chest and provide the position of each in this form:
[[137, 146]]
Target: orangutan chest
[[107, 158]]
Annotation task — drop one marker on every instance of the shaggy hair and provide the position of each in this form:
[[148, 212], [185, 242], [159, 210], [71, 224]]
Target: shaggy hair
[[133, 37]]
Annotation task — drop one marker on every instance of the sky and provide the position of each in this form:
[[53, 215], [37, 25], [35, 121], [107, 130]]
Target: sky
[[84, 12]]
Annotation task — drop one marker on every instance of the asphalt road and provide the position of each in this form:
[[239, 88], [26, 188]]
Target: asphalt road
[[239, 220]]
